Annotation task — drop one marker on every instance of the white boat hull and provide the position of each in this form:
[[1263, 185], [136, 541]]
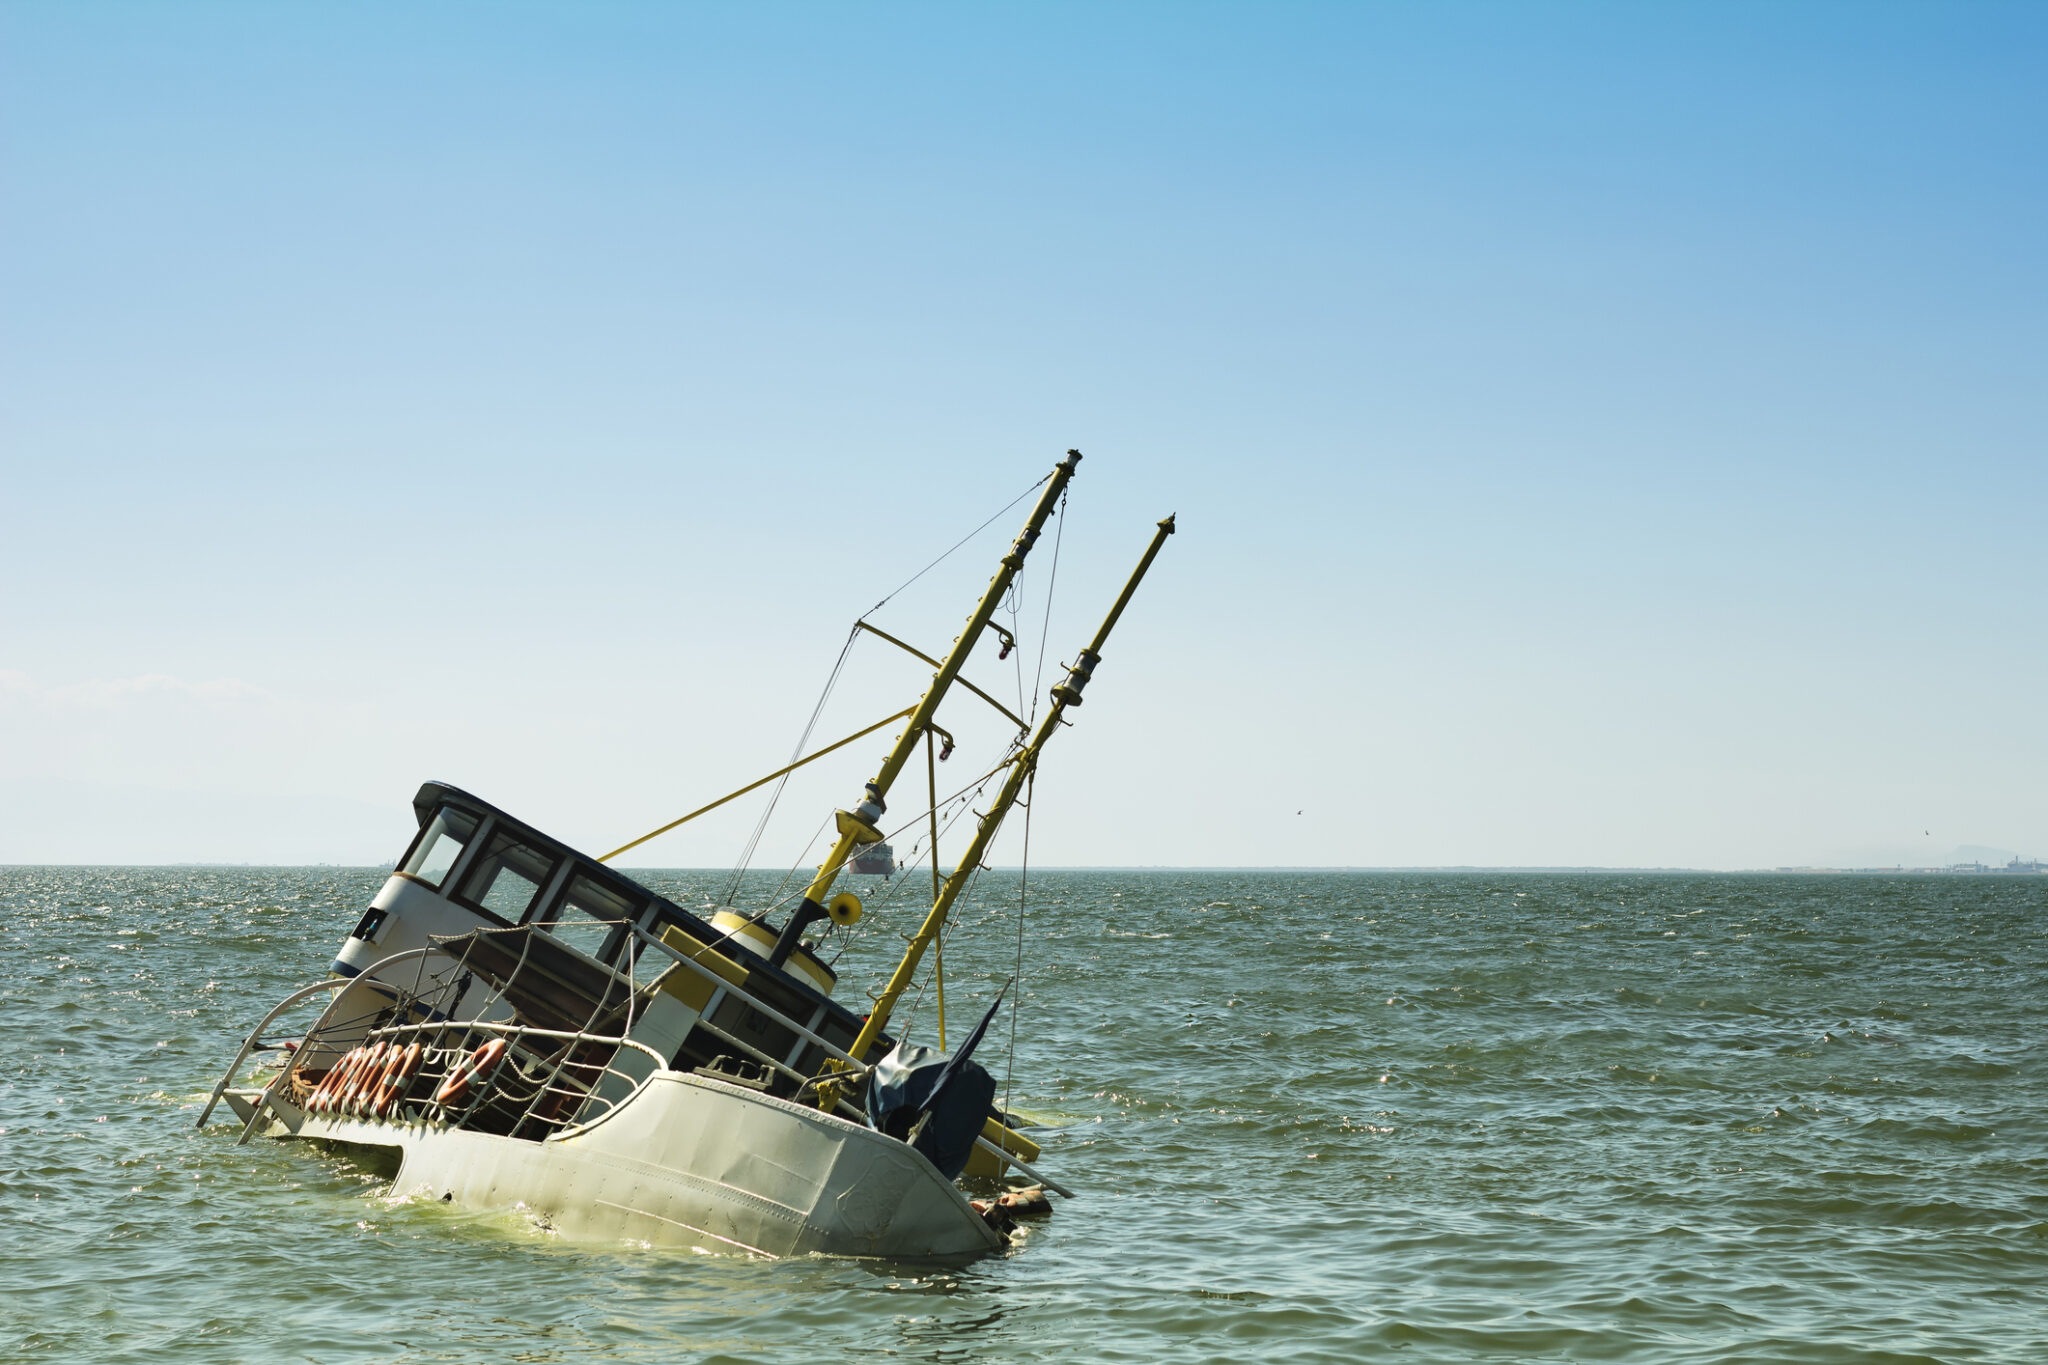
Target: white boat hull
[[687, 1162]]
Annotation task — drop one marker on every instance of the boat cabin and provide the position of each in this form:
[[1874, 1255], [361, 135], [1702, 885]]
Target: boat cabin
[[544, 932]]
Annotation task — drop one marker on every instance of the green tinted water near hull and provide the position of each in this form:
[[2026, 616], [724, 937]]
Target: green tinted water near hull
[[1312, 1115]]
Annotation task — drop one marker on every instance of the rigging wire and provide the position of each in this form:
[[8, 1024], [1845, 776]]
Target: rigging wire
[[970, 792], [1031, 781], [967, 893], [1017, 973], [1014, 603], [965, 797], [932, 787], [1051, 582], [1030, 791], [975, 786], [945, 932], [775, 896], [761, 825], [962, 541]]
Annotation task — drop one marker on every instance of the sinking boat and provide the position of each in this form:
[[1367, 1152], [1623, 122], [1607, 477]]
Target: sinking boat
[[527, 1027]]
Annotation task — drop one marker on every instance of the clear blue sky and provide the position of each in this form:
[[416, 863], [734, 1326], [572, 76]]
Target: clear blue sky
[[1601, 433]]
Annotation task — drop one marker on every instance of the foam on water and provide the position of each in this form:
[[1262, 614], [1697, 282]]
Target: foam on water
[[1673, 1118]]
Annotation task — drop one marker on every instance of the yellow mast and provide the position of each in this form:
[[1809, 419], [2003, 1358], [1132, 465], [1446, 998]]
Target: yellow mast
[[857, 827], [1065, 695]]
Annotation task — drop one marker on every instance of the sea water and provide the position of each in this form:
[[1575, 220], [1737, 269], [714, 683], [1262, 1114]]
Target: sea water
[[1308, 1117]]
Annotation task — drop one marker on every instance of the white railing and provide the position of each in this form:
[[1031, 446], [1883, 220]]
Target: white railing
[[249, 1044], [516, 1034], [284, 1074]]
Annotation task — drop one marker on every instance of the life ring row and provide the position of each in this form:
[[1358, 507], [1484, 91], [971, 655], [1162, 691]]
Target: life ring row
[[369, 1081]]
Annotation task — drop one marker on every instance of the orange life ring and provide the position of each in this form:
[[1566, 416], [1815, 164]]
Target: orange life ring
[[478, 1066], [358, 1058], [373, 1084], [360, 1081], [396, 1075], [330, 1084], [373, 1097], [351, 1069], [414, 1055], [373, 1081]]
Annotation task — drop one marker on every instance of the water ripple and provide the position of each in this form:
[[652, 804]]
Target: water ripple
[[1313, 1117]]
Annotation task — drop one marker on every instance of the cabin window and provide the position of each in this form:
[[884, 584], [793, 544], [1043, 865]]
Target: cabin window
[[589, 897], [446, 835], [508, 879]]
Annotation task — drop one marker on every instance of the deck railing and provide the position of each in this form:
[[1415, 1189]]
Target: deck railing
[[559, 1103]]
